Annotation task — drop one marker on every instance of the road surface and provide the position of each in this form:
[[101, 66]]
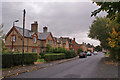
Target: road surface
[[90, 67]]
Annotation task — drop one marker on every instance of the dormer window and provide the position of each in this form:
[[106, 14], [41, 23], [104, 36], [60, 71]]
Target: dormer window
[[34, 39]]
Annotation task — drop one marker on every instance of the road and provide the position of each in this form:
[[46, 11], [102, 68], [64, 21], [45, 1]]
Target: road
[[90, 67]]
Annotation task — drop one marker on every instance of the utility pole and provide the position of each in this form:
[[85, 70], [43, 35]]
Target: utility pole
[[24, 12]]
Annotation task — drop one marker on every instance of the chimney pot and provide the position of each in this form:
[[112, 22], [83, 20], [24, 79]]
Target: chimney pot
[[45, 29]]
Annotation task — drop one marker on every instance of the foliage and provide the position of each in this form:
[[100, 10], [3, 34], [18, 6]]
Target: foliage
[[48, 47], [112, 8], [53, 56], [10, 60], [113, 40], [70, 54], [30, 53], [42, 55], [40, 60], [98, 48], [100, 31], [79, 51]]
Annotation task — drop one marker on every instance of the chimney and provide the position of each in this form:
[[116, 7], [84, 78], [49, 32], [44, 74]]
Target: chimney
[[73, 39], [34, 27], [44, 29]]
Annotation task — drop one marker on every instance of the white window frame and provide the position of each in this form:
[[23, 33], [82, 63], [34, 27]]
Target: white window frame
[[13, 38], [48, 41], [51, 41], [34, 40]]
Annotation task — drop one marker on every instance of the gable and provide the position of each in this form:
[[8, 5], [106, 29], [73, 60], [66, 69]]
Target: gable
[[11, 30]]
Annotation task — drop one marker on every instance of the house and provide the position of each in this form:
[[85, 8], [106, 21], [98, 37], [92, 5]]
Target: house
[[83, 46], [46, 38], [55, 42], [90, 47], [33, 40], [60, 42], [77, 46]]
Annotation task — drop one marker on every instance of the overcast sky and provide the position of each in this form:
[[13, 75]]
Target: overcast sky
[[67, 19]]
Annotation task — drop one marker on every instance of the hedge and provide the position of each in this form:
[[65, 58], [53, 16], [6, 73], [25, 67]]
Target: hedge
[[54, 56], [9, 60]]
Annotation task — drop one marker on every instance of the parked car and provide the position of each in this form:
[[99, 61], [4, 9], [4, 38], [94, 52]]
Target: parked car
[[89, 53], [95, 52], [83, 55]]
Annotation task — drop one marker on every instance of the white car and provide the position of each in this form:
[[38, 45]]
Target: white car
[[89, 53], [95, 52]]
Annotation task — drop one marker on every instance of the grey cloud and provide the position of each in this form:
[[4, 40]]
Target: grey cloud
[[61, 18]]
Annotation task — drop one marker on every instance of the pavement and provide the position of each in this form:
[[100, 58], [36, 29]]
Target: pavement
[[91, 67], [28, 68]]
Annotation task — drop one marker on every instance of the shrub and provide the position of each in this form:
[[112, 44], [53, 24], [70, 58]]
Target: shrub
[[70, 54], [79, 51], [9, 60], [54, 56]]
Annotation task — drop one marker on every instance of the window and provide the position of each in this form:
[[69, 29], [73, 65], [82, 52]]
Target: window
[[13, 38], [51, 41], [48, 41], [55, 43], [34, 40], [34, 50]]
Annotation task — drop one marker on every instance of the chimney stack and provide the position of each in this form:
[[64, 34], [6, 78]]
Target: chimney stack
[[73, 39], [44, 29], [34, 27]]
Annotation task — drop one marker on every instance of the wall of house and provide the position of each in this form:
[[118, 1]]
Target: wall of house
[[50, 39], [76, 46], [83, 47], [17, 45], [66, 45]]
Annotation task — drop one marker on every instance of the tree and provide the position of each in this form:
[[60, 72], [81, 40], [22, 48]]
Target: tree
[[98, 48], [100, 31], [113, 10]]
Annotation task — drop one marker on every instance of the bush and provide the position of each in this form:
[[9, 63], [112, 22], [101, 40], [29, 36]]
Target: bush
[[70, 54], [30, 53], [54, 56], [42, 55], [9, 60]]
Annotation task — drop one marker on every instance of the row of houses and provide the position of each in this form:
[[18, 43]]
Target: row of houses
[[35, 41]]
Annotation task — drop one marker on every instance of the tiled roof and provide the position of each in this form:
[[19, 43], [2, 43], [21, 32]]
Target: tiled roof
[[29, 33], [43, 36]]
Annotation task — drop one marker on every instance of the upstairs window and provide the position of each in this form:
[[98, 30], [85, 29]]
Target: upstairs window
[[55, 43], [48, 41], [34, 40], [51, 41], [13, 38]]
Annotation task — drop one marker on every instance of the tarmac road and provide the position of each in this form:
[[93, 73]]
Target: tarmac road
[[90, 67]]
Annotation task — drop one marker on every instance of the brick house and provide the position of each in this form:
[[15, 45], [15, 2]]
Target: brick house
[[77, 46], [33, 40], [55, 42], [90, 47]]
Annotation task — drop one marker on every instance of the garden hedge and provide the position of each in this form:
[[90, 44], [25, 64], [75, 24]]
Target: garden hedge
[[54, 56], [10, 60]]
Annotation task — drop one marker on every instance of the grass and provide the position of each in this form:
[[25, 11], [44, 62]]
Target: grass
[[40, 60]]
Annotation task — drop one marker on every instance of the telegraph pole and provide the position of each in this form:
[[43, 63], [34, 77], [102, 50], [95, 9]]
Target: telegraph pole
[[24, 12]]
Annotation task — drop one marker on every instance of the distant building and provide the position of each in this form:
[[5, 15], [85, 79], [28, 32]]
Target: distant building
[[77, 46], [90, 47]]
